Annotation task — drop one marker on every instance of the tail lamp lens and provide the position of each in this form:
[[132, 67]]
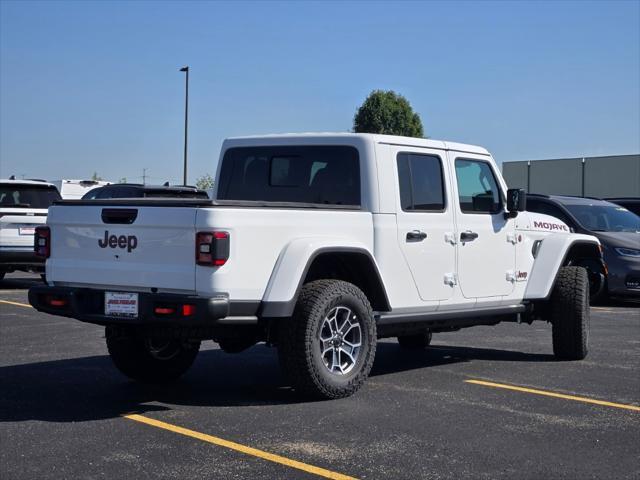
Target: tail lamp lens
[[54, 301], [42, 242], [164, 310], [212, 248]]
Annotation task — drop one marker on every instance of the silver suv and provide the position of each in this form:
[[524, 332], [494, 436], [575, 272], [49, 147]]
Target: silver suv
[[23, 206]]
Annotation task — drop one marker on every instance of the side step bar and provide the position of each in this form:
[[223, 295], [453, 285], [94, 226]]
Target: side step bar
[[449, 320]]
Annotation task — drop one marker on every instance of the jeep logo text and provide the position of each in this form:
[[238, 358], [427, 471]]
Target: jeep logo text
[[129, 242]]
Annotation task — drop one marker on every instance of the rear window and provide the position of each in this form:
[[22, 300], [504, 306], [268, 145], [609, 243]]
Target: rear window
[[27, 196], [327, 175]]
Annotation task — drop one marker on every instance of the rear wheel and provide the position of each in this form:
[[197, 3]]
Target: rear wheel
[[415, 342], [327, 347], [569, 310], [149, 359]]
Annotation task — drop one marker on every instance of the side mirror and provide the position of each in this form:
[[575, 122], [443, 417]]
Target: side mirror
[[516, 201]]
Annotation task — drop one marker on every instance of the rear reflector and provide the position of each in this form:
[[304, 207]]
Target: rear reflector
[[56, 301], [42, 242], [212, 248], [164, 310], [186, 310]]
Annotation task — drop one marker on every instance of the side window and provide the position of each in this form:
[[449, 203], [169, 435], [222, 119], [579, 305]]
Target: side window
[[421, 182], [104, 193], [478, 189]]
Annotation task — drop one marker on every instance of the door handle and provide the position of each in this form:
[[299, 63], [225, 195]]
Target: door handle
[[468, 236], [416, 236]]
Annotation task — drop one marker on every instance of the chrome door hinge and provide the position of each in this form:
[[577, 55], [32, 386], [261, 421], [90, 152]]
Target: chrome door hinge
[[512, 238], [450, 279], [451, 238], [511, 276]]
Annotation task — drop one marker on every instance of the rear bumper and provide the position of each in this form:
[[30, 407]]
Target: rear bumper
[[87, 305], [13, 258]]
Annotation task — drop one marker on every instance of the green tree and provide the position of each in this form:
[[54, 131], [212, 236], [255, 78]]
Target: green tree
[[96, 177], [389, 113], [204, 182], [123, 180]]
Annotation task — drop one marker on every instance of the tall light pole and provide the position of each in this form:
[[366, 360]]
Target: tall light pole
[[186, 120]]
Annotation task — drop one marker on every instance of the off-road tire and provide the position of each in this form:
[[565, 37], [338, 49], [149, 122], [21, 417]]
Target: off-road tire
[[131, 355], [299, 345], [418, 341], [569, 312]]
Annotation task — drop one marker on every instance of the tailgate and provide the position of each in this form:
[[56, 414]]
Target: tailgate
[[123, 247]]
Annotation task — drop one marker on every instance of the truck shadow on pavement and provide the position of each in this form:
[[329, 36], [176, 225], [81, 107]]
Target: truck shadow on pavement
[[20, 283], [90, 388]]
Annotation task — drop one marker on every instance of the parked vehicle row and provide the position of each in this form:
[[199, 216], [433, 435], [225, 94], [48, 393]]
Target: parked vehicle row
[[139, 190], [24, 204], [75, 189]]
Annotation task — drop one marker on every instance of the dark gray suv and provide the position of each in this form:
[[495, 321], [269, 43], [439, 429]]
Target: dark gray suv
[[618, 230]]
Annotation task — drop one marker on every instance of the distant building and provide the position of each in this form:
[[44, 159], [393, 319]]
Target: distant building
[[612, 176]]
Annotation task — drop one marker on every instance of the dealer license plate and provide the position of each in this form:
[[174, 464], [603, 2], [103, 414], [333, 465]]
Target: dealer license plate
[[121, 304]]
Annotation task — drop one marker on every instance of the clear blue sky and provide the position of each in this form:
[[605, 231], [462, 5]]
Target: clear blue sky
[[94, 86]]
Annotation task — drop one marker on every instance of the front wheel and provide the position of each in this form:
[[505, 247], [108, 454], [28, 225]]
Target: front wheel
[[570, 314], [327, 347], [149, 359]]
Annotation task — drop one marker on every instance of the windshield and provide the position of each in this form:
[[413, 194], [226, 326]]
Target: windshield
[[605, 218], [27, 196]]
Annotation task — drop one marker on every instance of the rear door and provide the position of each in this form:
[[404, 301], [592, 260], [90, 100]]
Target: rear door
[[425, 220], [486, 248], [135, 248]]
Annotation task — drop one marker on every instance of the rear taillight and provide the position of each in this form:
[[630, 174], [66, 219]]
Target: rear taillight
[[55, 301], [212, 248], [42, 242]]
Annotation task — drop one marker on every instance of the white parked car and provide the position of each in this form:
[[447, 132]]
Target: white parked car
[[76, 189], [23, 206], [319, 244]]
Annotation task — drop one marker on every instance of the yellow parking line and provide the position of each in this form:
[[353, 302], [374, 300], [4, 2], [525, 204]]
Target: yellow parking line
[[16, 303], [239, 447], [547, 393]]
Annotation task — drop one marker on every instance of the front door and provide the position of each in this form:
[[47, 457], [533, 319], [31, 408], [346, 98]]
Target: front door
[[486, 248], [425, 220]]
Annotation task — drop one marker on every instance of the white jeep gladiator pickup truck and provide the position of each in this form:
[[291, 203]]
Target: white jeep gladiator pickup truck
[[319, 244]]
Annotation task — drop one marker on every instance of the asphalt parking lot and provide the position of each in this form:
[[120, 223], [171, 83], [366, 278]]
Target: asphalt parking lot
[[485, 402]]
